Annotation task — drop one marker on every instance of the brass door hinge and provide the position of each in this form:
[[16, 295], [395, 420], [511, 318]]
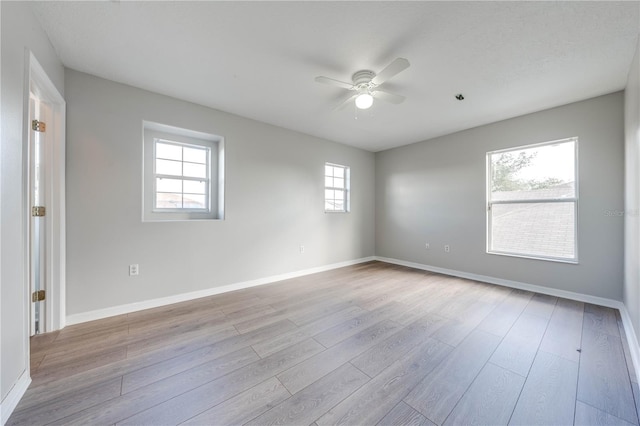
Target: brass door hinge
[[38, 211], [37, 296], [38, 126]]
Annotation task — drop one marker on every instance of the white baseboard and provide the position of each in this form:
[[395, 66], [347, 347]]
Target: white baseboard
[[154, 303], [10, 402], [610, 303], [634, 347], [162, 301]]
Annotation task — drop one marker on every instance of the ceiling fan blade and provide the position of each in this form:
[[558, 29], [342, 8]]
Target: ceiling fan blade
[[332, 82], [388, 96], [398, 65], [346, 102]]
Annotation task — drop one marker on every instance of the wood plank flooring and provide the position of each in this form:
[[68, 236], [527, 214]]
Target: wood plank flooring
[[370, 344]]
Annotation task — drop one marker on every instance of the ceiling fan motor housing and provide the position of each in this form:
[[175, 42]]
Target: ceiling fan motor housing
[[362, 79]]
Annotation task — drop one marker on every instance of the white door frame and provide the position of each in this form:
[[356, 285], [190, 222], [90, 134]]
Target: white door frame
[[40, 84]]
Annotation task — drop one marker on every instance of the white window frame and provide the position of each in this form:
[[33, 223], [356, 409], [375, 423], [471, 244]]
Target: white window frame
[[157, 132], [346, 189], [573, 199], [206, 179]]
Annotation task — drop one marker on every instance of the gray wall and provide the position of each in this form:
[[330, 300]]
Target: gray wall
[[434, 191], [20, 31], [632, 193], [274, 201]]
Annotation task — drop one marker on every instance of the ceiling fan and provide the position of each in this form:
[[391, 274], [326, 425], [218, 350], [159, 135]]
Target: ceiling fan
[[365, 84]]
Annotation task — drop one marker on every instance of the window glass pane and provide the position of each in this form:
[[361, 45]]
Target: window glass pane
[[534, 229], [541, 172], [195, 170], [328, 170], [169, 167], [192, 201], [178, 175], [335, 200], [195, 155], [168, 151], [194, 187], [168, 201], [168, 185]]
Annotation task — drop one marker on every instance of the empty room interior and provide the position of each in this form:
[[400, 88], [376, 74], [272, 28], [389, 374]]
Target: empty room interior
[[319, 213]]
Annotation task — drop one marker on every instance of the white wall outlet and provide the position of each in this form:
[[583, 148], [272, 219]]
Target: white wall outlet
[[426, 245], [134, 269], [447, 248], [301, 249]]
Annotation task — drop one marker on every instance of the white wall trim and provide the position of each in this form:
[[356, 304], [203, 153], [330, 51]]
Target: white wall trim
[[14, 396], [39, 82], [634, 347], [162, 301], [610, 303]]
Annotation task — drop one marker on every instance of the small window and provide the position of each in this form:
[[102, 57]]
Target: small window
[[183, 174], [336, 188], [532, 201]]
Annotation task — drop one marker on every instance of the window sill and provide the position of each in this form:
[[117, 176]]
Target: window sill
[[181, 220], [532, 257]]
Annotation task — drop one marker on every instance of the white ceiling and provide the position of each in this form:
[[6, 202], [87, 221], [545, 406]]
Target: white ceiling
[[259, 59]]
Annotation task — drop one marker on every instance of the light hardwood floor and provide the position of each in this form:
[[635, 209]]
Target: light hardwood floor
[[363, 345]]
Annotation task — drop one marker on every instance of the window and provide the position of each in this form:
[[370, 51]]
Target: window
[[532, 201], [183, 174], [336, 188]]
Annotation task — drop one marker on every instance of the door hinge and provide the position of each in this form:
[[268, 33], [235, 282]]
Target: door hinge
[[38, 211], [38, 126], [37, 296]]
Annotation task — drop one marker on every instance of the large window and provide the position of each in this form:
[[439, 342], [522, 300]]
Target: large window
[[183, 174], [532, 201], [336, 188]]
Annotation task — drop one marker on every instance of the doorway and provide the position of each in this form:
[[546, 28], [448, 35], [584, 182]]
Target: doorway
[[45, 200], [38, 117]]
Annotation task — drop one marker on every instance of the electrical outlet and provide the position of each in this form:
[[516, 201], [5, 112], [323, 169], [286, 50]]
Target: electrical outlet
[[447, 249], [134, 269], [301, 249], [426, 246]]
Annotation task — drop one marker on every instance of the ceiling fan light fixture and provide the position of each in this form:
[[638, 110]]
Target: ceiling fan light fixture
[[365, 83], [364, 101]]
